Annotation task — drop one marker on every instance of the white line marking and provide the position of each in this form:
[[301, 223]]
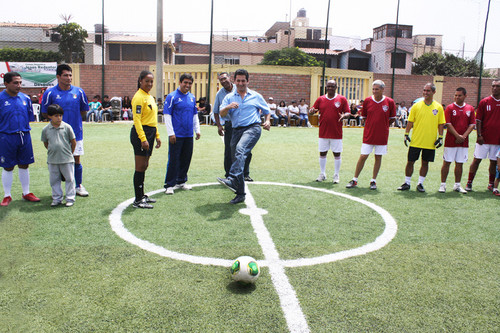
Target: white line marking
[[289, 303], [381, 241]]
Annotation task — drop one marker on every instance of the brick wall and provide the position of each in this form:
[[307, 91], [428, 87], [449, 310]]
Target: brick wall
[[282, 86]]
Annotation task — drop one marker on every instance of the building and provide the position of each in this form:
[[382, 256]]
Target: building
[[381, 47], [427, 44]]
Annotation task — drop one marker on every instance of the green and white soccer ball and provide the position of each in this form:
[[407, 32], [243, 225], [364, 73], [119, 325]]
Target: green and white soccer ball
[[245, 270]]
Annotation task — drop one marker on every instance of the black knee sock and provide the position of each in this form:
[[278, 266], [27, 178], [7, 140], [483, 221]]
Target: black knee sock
[[139, 185]]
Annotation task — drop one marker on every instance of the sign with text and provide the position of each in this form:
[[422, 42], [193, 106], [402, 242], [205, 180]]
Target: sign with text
[[34, 74]]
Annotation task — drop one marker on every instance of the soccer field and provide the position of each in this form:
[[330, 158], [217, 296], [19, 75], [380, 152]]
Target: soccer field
[[66, 270]]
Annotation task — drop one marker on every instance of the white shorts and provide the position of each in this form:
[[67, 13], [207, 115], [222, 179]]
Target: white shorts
[[483, 151], [366, 149], [456, 154], [334, 145], [79, 148]]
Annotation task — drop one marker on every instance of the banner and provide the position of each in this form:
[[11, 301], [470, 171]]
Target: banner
[[34, 74]]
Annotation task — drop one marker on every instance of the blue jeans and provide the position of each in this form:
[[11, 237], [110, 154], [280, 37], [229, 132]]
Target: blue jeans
[[274, 119], [242, 142], [305, 118], [95, 112], [283, 117], [228, 157], [179, 159]]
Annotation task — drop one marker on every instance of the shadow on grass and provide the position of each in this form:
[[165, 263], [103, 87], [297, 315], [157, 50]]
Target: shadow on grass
[[33, 207], [225, 210], [240, 288]]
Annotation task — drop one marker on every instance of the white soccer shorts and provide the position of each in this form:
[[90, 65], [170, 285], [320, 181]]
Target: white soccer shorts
[[486, 151], [456, 154], [334, 145], [366, 149], [79, 148]]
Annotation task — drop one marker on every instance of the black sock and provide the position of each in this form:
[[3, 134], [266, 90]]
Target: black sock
[[139, 185]]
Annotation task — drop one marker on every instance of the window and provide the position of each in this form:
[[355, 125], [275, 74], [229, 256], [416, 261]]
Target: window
[[317, 34], [114, 51], [309, 34], [138, 52], [430, 41], [227, 59], [398, 60]]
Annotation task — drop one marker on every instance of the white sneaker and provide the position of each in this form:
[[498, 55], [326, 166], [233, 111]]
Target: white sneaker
[[309, 125], [279, 125], [284, 125], [321, 177], [169, 190], [459, 189], [69, 203], [81, 191], [442, 188], [336, 179], [182, 186]]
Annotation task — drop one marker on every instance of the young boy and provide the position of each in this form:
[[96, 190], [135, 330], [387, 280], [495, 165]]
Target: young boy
[[59, 139], [497, 177]]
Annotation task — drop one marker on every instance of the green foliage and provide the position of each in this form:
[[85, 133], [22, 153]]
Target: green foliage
[[29, 55], [446, 65], [289, 56], [72, 39]]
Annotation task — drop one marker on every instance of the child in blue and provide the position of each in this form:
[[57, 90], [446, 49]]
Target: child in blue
[[16, 112], [497, 176], [75, 105], [59, 139]]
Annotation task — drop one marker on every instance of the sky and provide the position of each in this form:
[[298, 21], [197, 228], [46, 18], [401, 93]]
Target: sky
[[461, 22]]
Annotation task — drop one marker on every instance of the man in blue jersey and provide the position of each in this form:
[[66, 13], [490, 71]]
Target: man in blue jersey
[[16, 113], [227, 130], [181, 118], [75, 105], [243, 106]]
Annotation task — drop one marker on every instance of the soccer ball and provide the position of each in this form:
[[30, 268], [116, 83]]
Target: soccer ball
[[245, 270]]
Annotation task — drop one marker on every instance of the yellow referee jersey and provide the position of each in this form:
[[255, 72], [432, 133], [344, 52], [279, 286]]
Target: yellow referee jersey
[[425, 119], [145, 113]]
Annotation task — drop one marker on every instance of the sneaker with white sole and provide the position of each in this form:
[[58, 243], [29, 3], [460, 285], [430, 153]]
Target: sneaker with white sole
[[81, 191], [183, 186], [336, 179], [468, 187], [352, 184], [69, 203], [169, 190], [373, 185], [420, 188], [442, 188], [321, 177], [142, 204], [55, 203], [459, 189]]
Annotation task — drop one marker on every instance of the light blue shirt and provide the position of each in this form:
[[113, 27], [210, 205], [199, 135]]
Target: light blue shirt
[[219, 97], [247, 112]]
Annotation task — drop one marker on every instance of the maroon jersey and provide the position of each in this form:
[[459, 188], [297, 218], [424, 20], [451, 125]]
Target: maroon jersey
[[488, 112], [461, 117], [330, 111], [377, 116]]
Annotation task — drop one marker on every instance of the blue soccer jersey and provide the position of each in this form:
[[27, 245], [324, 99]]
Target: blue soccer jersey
[[72, 101], [182, 108], [15, 113]]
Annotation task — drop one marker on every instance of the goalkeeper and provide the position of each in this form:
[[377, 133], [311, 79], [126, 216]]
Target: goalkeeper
[[427, 121]]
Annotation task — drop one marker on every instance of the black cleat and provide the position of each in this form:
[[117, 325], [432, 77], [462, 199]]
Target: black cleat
[[237, 199], [404, 187], [227, 183]]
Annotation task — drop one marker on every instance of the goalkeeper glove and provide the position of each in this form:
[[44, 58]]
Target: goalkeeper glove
[[439, 142], [407, 139]]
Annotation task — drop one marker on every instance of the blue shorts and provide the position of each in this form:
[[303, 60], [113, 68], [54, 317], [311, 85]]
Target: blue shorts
[[16, 149]]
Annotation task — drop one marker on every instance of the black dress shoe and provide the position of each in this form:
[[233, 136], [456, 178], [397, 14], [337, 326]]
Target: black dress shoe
[[248, 179], [237, 199], [227, 183]]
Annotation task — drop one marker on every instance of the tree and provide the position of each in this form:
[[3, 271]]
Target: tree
[[72, 41], [290, 56], [446, 65], [29, 55]]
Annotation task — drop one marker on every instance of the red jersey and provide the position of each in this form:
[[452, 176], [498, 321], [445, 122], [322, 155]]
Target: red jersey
[[461, 117], [330, 111], [377, 116], [488, 112]]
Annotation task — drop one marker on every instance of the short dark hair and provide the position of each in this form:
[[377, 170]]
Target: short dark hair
[[7, 78], [105, 96], [223, 73], [462, 89], [142, 76], [294, 102], [54, 109], [97, 96], [63, 67], [241, 71], [186, 76]]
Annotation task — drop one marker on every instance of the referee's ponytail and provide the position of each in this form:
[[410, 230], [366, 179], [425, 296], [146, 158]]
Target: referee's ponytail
[[142, 76]]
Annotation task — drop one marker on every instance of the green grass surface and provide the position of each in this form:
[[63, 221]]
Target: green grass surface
[[65, 270]]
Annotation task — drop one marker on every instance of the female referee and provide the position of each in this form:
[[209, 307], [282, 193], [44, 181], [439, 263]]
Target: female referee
[[143, 134]]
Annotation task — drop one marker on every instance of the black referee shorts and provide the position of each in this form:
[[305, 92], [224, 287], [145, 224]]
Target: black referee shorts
[[136, 143], [427, 154]]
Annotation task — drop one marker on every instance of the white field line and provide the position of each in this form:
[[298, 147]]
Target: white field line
[[294, 316]]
